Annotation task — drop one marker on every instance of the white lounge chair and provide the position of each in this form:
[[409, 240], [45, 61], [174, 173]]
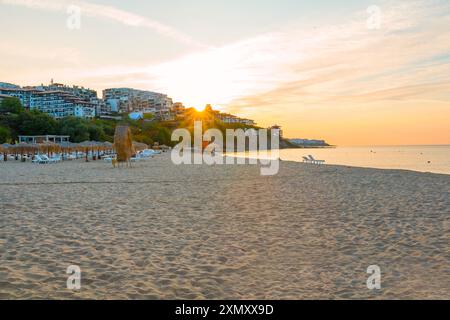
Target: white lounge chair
[[47, 159], [109, 159], [40, 160], [56, 159], [306, 160], [136, 158], [315, 161], [69, 157], [36, 159]]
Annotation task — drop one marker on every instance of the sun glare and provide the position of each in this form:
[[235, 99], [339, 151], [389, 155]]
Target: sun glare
[[199, 108]]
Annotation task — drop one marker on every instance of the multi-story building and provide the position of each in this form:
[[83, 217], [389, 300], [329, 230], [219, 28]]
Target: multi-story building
[[82, 93], [231, 119], [248, 122], [56, 103], [6, 85], [123, 100], [60, 104], [308, 142], [84, 96], [24, 95], [178, 110]]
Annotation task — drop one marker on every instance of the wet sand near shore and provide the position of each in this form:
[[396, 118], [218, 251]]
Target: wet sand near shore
[[160, 231]]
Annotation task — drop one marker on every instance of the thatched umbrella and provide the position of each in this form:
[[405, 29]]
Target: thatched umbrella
[[68, 147], [24, 148], [99, 146], [107, 147], [49, 147], [88, 146], [5, 150], [123, 144], [139, 146], [108, 144], [164, 147]]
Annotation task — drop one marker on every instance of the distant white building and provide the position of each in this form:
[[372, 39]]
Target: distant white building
[[231, 119], [178, 109], [6, 85], [58, 104], [42, 139], [122, 100], [308, 142]]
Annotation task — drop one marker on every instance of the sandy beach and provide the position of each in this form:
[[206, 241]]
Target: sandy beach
[[160, 231]]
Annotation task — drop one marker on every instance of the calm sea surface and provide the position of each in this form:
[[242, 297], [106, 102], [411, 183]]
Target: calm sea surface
[[434, 159]]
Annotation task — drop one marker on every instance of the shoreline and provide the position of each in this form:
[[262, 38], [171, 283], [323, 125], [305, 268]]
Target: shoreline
[[335, 166], [369, 168], [414, 158]]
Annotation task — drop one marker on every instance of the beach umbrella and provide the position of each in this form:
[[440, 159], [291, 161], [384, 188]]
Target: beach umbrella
[[123, 144], [49, 147], [87, 146], [99, 146], [108, 146], [25, 148], [22, 147], [68, 147], [138, 146], [5, 150]]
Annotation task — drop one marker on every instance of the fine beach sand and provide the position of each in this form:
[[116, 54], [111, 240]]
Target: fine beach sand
[[160, 231]]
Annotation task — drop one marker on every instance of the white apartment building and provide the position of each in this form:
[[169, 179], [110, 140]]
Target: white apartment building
[[58, 104], [122, 100], [231, 119], [24, 95], [6, 85]]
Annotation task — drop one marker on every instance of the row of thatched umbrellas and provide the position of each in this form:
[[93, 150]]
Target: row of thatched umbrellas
[[64, 148]]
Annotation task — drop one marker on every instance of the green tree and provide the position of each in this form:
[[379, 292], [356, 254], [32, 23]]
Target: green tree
[[163, 136], [11, 105], [96, 132], [76, 128], [35, 122], [5, 135]]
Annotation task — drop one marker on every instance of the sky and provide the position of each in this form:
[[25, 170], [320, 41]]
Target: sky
[[352, 72]]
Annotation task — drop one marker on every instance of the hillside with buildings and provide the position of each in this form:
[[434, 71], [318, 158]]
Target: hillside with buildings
[[79, 112], [308, 143], [60, 101]]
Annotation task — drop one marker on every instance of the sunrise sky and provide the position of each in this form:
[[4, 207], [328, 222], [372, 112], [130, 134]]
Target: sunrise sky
[[336, 70]]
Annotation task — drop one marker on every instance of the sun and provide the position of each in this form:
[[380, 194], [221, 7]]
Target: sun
[[199, 109]]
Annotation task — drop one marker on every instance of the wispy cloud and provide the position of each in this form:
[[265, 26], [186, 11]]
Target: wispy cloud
[[108, 12]]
